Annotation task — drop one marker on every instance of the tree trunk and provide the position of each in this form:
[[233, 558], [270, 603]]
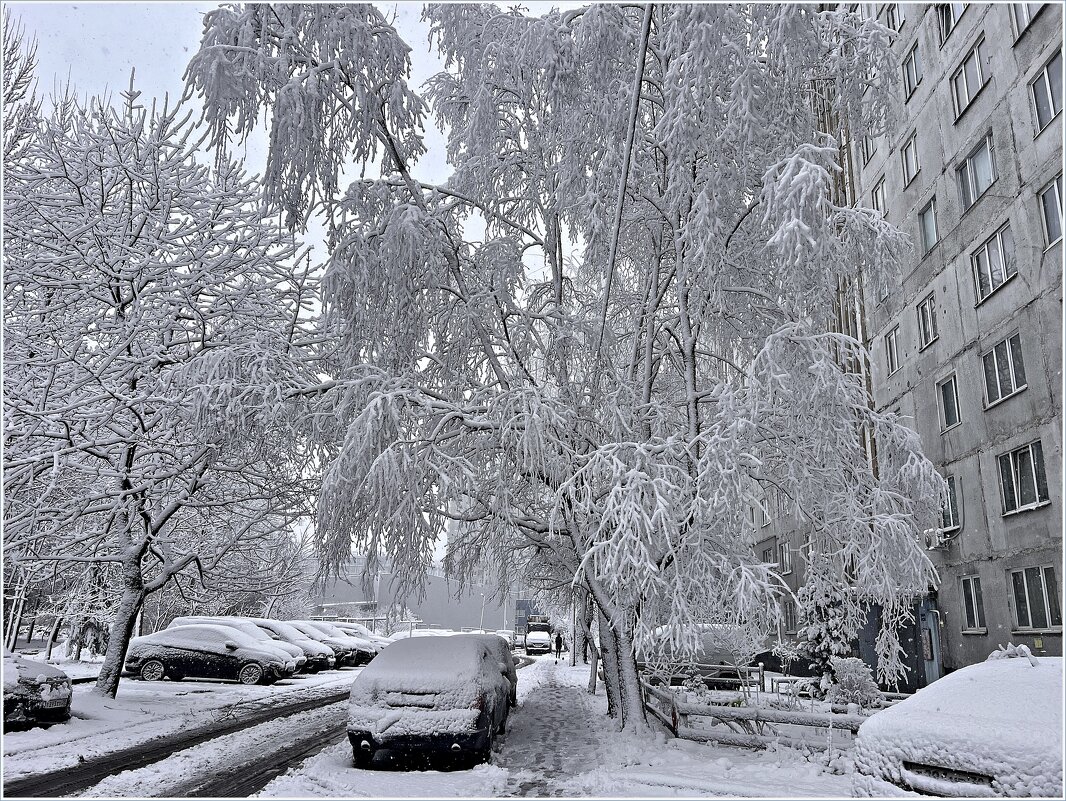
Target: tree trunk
[[52, 638], [594, 664], [122, 629], [630, 696], [610, 666]]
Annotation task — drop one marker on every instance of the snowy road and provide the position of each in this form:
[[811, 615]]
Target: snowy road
[[148, 722]]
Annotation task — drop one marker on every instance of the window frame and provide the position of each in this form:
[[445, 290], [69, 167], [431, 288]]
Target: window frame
[[956, 518], [1055, 185], [892, 360], [952, 379], [1015, 483], [910, 144], [1019, 29], [866, 148], [927, 303], [1008, 267], [931, 208], [913, 59], [784, 558], [891, 10], [1042, 572], [982, 79], [789, 606], [1045, 74], [976, 598], [940, 8], [878, 198], [1012, 369], [967, 167]]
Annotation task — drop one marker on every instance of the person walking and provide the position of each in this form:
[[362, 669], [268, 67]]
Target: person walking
[[558, 647]]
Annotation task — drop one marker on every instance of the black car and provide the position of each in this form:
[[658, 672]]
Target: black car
[[429, 702], [207, 652], [345, 653], [34, 693]]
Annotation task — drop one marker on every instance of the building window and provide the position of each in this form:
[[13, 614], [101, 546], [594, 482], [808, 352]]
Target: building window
[[950, 514], [973, 604], [948, 389], [892, 350], [788, 613], [948, 16], [877, 197], [894, 16], [927, 225], [768, 555], [909, 155], [968, 79], [867, 149], [912, 72], [976, 173], [1004, 369], [1047, 91], [1022, 475], [927, 321], [1036, 598], [1051, 211], [1023, 14], [993, 263], [784, 558]]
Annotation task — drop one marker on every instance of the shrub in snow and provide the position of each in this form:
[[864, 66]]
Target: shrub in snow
[[829, 627], [1011, 651], [854, 683], [788, 653]]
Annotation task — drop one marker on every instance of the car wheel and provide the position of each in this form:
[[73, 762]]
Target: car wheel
[[250, 674], [153, 670]]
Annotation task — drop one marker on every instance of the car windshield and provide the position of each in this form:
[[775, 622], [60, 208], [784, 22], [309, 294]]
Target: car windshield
[[309, 631]]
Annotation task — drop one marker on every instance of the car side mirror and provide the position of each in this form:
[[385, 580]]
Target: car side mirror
[[231, 645]]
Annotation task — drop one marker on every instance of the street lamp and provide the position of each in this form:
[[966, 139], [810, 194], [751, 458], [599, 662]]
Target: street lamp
[[481, 625]]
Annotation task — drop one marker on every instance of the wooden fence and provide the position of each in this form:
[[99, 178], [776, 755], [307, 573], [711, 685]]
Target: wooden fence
[[751, 727]]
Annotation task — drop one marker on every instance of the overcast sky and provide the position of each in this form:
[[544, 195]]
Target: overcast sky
[[97, 44]]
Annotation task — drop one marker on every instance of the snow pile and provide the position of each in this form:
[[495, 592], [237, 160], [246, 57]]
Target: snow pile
[[1001, 719], [10, 671], [424, 685]]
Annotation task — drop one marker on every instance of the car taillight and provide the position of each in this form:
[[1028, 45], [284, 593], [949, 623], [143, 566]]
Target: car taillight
[[479, 703]]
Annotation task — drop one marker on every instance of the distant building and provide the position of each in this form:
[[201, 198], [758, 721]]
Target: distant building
[[967, 345]]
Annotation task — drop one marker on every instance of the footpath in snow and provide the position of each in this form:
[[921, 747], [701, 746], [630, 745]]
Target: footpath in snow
[[561, 743]]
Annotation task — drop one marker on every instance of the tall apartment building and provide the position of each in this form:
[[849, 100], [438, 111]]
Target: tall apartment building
[[967, 343]]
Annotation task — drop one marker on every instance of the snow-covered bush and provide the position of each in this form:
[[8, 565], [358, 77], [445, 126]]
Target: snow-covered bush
[[787, 652], [853, 683], [1012, 651]]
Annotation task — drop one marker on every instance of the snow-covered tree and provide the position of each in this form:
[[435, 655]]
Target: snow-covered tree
[[155, 354], [633, 347]]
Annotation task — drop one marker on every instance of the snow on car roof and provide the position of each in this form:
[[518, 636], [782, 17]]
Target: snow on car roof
[[199, 633], [281, 627], [1001, 718], [239, 623], [537, 636], [455, 658]]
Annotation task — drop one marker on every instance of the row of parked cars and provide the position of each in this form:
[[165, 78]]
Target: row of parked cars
[[249, 650]]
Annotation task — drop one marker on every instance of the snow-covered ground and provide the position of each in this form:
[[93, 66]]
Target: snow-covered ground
[[145, 711], [560, 743]]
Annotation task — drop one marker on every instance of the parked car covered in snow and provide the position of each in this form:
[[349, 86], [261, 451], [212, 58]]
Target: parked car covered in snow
[[990, 729], [319, 655], [205, 651], [359, 630], [362, 649], [343, 650], [508, 635], [502, 651], [538, 642], [264, 639], [34, 692], [428, 700]]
